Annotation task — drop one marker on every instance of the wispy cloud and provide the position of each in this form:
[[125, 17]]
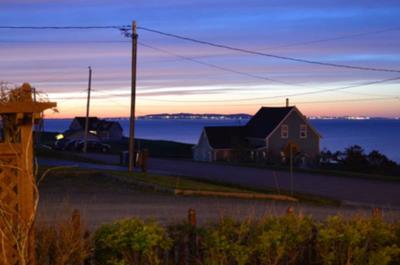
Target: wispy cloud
[[57, 61]]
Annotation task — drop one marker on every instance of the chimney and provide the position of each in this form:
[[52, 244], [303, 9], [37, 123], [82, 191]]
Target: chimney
[[287, 103]]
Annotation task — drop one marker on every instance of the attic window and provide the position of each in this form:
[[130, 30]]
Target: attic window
[[284, 131], [303, 131]]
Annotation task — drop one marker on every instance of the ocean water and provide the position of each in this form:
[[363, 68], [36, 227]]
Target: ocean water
[[382, 135]]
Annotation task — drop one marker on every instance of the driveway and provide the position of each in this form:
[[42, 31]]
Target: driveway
[[355, 191]]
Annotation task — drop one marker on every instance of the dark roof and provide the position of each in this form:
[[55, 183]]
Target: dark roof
[[265, 121], [221, 137], [93, 122], [96, 124], [106, 125]]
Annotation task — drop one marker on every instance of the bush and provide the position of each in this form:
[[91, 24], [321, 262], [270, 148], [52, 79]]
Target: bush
[[131, 242], [273, 240], [286, 240], [229, 242], [357, 242], [283, 240]]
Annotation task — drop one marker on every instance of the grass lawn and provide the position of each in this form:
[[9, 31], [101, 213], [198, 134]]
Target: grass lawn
[[172, 183], [168, 182]]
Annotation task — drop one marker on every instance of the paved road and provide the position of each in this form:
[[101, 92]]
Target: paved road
[[349, 190]]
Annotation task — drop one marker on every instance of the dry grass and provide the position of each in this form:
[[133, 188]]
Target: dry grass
[[66, 243]]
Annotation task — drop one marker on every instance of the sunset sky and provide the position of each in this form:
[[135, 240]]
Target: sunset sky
[[361, 33]]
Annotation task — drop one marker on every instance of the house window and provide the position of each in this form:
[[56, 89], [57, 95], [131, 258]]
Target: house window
[[284, 131], [303, 131]]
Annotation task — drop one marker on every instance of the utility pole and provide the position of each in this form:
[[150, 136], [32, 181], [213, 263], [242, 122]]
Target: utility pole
[[87, 111], [291, 169], [133, 99]]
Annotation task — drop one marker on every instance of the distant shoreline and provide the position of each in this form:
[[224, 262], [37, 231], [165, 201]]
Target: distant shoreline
[[229, 117]]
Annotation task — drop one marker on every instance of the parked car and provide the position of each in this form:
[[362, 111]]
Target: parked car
[[71, 145], [93, 146], [62, 144]]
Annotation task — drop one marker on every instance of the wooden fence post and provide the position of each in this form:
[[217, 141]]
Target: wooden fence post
[[192, 217], [290, 210], [377, 212]]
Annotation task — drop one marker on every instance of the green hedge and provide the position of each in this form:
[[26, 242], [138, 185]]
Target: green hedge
[[287, 240]]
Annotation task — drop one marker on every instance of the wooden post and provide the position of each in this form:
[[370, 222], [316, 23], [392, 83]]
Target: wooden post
[[133, 99], [192, 217], [377, 212], [291, 169], [87, 111], [144, 159], [76, 219]]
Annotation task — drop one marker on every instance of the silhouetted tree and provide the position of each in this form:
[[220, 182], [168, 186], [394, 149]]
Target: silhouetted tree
[[355, 158], [381, 164]]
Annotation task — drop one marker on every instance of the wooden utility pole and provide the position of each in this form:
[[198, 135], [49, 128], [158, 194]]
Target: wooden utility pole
[[87, 111], [133, 99], [291, 169]]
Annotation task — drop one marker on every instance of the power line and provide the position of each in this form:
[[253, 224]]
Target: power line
[[106, 95], [268, 54], [290, 95], [313, 102], [332, 39], [125, 28], [65, 27], [336, 101], [217, 66]]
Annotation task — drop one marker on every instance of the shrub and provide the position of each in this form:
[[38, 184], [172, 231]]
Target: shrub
[[357, 242], [229, 242], [283, 240], [286, 240], [131, 242]]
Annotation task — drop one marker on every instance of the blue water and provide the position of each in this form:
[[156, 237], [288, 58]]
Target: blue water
[[381, 135]]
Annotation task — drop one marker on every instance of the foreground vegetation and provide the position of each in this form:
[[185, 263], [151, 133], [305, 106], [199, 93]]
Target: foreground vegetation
[[289, 239]]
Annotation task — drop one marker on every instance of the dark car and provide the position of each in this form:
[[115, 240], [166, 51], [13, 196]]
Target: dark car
[[71, 145], [93, 146], [63, 144]]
